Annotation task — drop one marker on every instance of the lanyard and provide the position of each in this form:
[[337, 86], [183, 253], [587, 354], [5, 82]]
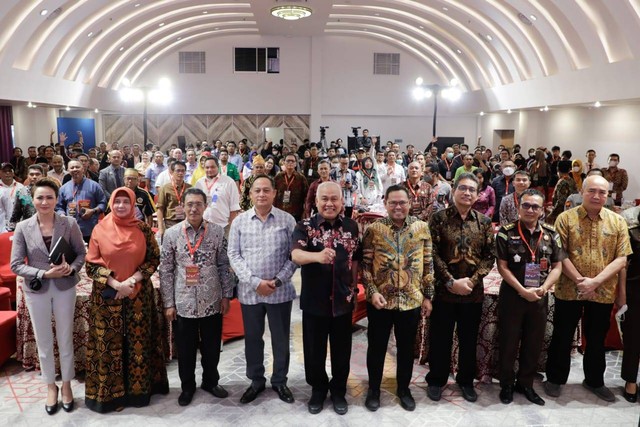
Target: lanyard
[[179, 196], [209, 187], [364, 171], [533, 251], [14, 185], [193, 249], [286, 179], [413, 192], [515, 199], [447, 164]]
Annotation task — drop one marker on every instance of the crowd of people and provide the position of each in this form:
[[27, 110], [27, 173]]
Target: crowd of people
[[221, 221]]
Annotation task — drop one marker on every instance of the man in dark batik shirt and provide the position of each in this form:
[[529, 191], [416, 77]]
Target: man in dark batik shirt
[[463, 254], [326, 246]]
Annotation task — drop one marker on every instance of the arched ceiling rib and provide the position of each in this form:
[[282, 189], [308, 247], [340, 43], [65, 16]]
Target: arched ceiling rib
[[500, 41]]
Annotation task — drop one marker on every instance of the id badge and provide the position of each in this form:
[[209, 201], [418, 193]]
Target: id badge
[[448, 175], [214, 198], [535, 177], [192, 273], [179, 212], [71, 208], [371, 184], [532, 275], [310, 172], [286, 197], [415, 205], [394, 181]]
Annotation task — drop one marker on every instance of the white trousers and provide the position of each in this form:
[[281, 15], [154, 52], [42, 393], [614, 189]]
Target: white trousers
[[63, 305]]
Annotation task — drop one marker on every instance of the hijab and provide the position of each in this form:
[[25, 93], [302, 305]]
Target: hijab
[[118, 243], [577, 176], [371, 173], [199, 172]]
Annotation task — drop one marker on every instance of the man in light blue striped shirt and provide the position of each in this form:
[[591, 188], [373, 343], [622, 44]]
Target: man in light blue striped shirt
[[259, 242]]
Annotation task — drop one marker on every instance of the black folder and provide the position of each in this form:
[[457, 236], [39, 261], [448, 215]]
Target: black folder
[[61, 247]]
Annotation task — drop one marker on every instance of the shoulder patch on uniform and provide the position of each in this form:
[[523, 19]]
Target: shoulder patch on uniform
[[509, 226], [502, 235], [548, 226]]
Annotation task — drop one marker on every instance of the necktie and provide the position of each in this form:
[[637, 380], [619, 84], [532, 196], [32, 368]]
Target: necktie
[[118, 178]]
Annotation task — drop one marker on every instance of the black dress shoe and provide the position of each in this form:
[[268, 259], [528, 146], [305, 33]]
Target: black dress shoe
[[372, 402], [434, 392], [283, 393], [340, 404], [630, 397], [530, 394], [68, 407], [406, 400], [468, 392], [250, 394], [316, 403], [185, 397], [506, 394], [218, 391], [53, 408]]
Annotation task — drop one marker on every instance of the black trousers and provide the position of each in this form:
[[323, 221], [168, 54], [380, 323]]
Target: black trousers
[[348, 211], [595, 325], [405, 327], [207, 333], [279, 317], [520, 324], [444, 317], [316, 330], [631, 333]]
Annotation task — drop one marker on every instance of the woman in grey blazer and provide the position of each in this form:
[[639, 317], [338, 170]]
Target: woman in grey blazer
[[49, 288]]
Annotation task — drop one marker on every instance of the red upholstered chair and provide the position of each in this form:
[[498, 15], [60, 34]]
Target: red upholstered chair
[[7, 326], [7, 278], [360, 311], [232, 326]]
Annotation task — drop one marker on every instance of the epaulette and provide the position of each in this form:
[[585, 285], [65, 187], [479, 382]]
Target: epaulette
[[548, 226], [509, 226]]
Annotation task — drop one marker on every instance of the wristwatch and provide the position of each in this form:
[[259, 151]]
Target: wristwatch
[[278, 282], [449, 284], [133, 280]]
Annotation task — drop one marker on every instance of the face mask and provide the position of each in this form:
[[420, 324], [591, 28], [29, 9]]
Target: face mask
[[427, 178], [274, 152], [576, 169], [463, 152], [531, 153], [353, 159], [613, 163], [449, 156], [508, 171]]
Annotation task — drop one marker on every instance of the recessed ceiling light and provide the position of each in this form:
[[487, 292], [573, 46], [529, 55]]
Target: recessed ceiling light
[[509, 111], [489, 37], [376, 14], [67, 108], [121, 48], [459, 51], [436, 61], [404, 41], [364, 29], [90, 34], [43, 12], [445, 8], [533, 17], [421, 27], [216, 28], [546, 108], [161, 24], [136, 5], [144, 59], [96, 111], [205, 12], [523, 18], [482, 113], [179, 38], [597, 104]]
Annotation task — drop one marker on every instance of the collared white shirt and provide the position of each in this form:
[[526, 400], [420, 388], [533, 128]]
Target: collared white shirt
[[222, 198], [163, 178], [396, 177]]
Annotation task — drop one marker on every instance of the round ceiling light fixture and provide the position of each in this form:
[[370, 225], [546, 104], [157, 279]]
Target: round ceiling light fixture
[[291, 12]]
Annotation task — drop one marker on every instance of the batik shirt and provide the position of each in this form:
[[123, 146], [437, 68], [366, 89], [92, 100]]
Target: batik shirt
[[397, 263], [591, 245]]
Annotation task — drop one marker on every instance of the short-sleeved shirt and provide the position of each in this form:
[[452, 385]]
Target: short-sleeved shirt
[[152, 174], [328, 289], [297, 186], [223, 198], [511, 247], [591, 245], [168, 200], [420, 199]]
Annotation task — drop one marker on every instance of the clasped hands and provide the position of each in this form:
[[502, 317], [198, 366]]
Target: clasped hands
[[58, 271], [586, 287], [379, 302]]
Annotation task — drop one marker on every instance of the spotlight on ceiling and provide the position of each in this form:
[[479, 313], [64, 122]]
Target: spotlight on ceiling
[[67, 108], [43, 12], [597, 104], [291, 12], [482, 113]]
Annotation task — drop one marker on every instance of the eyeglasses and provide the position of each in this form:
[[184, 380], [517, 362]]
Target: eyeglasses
[[401, 203], [465, 188], [527, 206]]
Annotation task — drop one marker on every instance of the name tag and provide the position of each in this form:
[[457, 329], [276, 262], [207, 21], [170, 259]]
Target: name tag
[[532, 275], [214, 198], [310, 172], [192, 273], [448, 176], [286, 197], [179, 212]]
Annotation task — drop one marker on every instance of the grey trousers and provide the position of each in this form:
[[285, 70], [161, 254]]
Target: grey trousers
[[279, 317], [63, 306]]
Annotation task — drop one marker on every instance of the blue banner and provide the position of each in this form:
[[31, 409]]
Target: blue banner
[[71, 126]]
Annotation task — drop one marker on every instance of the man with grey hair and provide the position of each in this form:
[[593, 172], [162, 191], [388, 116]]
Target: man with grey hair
[[327, 247]]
